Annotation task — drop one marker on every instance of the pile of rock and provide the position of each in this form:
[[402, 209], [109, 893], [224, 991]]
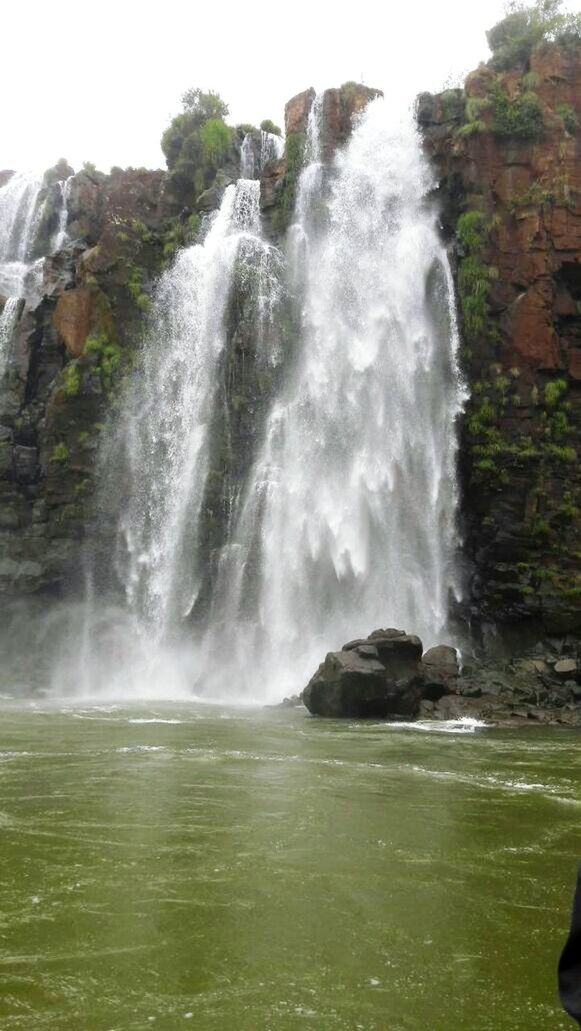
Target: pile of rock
[[388, 676], [383, 675]]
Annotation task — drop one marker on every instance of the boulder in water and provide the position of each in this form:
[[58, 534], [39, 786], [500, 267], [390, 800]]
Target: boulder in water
[[378, 677]]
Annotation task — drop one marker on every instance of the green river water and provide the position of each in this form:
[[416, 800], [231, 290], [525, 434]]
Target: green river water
[[224, 870]]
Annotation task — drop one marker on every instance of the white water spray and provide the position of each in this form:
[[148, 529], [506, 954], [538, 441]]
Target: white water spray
[[61, 235], [345, 520], [166, 433], [254, 156], [354, 491], [19, 214]]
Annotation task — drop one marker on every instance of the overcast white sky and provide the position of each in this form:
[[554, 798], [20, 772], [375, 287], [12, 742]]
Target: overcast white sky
[[99, 81]]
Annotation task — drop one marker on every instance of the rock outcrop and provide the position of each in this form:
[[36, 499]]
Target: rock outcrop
[[507, 153], [386, 676], [65, 367], [338, 113], [380, 676]]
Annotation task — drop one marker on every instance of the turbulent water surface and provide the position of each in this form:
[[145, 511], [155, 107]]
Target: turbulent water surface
[[245, 870]]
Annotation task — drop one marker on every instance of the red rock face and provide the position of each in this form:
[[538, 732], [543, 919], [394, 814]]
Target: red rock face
[[296, 112], [522, 488], [340, 108], [72, 318], [97, 201]]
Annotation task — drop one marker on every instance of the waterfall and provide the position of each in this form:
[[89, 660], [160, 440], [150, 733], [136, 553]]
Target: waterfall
[[260, 528], [353, 497], [271, 147], [8, 319], [18, 207], [61, 236], [166, 431], [247, 159], [358, 528], [257, 151], [19, 211]]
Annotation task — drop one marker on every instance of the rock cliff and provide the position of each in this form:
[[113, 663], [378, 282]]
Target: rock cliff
[[506, 150]]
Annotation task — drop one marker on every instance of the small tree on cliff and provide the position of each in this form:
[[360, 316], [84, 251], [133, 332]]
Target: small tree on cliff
[[204, 106], [196, 142], [524, 25]]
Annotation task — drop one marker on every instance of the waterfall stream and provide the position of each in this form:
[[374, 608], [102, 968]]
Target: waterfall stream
[[19, 213], [358, 527], [166, 432], [344, 519], [255, 152], [61, 235]]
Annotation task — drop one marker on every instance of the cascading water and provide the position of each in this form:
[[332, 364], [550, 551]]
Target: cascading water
[[344, 519], [18, 206], [359, 452], [18, 222], [166, 432], [61, 235], [256, 153], [271, 147], [354, 496]]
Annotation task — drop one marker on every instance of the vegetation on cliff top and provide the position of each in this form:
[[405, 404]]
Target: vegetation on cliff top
[[513, 38], [267, 125], [197, 141]]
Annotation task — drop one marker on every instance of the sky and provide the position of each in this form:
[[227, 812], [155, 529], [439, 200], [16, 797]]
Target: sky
[[100, 82]]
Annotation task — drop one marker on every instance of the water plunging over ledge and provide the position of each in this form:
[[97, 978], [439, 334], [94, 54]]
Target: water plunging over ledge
[[243, 565], [19, 275]]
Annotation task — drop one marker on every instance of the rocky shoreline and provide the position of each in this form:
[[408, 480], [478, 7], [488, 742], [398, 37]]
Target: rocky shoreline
[[389, 676]]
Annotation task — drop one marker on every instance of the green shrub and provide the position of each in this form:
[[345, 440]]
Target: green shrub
[[71, 379], [513, 38], [530, 80], [294, 153], [268, 126], [203, 106], [559, 425], [569, 118], [245, 128], [471, 128], [561, 454], [471, 230], [536, 194], [60, 453], [540, 528], [452, 101], [348, 89], [476, 106], [554, 392], [473, 290], [108, 356], [215, 137], [195, 143], [520, 118]]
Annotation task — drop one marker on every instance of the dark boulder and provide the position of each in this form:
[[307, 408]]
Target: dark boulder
[[440, 671], [378, 677]]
